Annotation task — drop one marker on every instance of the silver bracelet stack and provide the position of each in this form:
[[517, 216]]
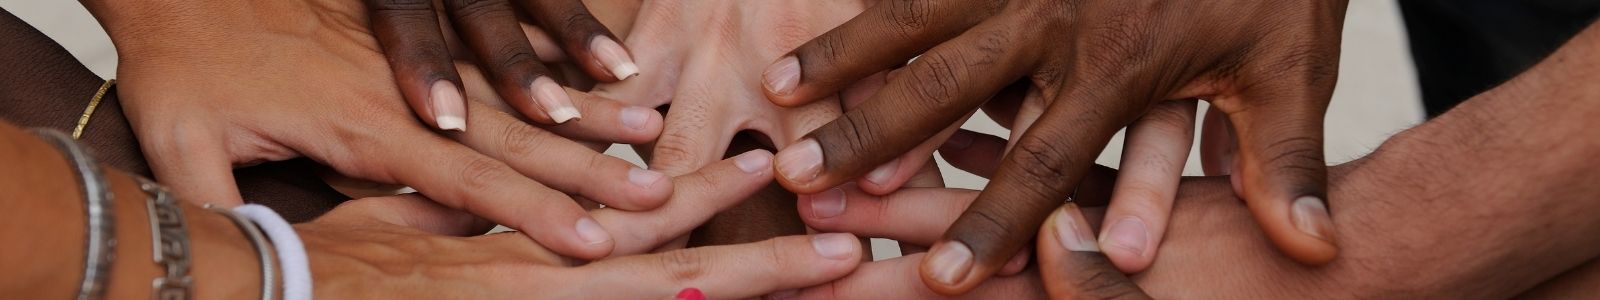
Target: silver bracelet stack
[[100, 249], [263, 249], [169, 239]]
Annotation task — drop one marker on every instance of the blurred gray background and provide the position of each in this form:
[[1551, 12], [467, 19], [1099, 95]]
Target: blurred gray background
[[1377, 94]]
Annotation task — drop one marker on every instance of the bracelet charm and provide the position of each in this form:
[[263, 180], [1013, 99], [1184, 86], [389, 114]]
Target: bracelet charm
[[170, 241]]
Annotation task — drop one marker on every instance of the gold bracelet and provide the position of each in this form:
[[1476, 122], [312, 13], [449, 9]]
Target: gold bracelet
[[83, 121]]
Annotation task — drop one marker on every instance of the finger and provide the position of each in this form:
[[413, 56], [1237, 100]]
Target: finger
[[1217, 143], [1152, 164], [409, 32], [585, 40], [696, 197], [563, 164], [896, 278], [934, 92], [490, 30], [460, 178], [888, 177], [610, 121], [885, 35], [1282, 173], [974, 152], [193, 165], [692, 142], [409, 211], [725, 272], [1046, 165], [1071, 263], [912, 215]]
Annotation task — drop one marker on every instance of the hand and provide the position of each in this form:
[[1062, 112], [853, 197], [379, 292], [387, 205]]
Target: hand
[[354, 253], [416, 44], [1270, 67], [261, 81], [697, 50]]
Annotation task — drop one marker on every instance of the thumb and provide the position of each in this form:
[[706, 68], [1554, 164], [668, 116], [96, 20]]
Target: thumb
[[1072, 265]]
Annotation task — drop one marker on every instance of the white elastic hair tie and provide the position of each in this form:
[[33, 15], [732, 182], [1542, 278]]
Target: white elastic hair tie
[[291, 253]]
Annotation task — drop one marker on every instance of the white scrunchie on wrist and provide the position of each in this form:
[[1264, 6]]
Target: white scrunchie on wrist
[[291, 253]]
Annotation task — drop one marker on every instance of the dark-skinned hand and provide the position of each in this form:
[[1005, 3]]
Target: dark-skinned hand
[[418, 49], [1091, 68]]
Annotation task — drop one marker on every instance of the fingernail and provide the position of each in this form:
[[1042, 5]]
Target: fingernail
[[1073, 231], [880, 176], [554, 100], [951, 262], [1311, 217], [801, 162], [782, 295], [958, 141], [752, 162], [590, 231], [1128, 234], [783, 75], [449, 107], [635, 117], [644, 178], [834, 245], [611, 55], [690, 294], [828, 204]]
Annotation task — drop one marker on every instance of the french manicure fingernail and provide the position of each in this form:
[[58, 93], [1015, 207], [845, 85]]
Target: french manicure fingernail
[[801, 162], [752, 162], [590, 231], [1310, 216], [611, 55], [550, 96], [644, 178], [880, 176], [1128, 234], [1072, 230], [449, 107], [828, 204], [783, 76], [690, 294], [951, 262], [635, 117], [834, 245]]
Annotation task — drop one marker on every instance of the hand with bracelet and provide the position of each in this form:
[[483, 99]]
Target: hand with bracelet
[[1090, 68], [247, 82], [357, 249]]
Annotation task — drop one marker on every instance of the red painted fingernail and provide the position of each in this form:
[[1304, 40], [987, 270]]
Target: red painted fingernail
[[691, 294]]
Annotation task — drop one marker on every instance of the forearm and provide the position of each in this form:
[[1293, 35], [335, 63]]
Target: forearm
[[1500, 190], [44, 230]]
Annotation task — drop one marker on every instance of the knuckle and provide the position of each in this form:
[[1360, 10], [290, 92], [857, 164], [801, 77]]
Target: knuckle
[[937, 80], [910, 16], [1045, 162], [521, 140], [479, 174], [1296, 155], [1106, 283], [860, 134], [685, 266]]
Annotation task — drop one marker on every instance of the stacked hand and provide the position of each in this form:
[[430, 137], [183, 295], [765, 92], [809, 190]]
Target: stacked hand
[[260, 81], [1089, 68]]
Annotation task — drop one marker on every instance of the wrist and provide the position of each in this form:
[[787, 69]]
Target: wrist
[[223, 264]]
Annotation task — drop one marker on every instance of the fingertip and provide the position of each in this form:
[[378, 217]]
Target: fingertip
[[799, 165], [594, 241], [947, 269], [754, 162], [652, 188], [1127, 242], [644, 124], [1309, 215], [781, 79]]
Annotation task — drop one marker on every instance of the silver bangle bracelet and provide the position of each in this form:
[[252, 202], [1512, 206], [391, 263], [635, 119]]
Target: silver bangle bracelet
[[100, 248], [169, 240], [263, 247]]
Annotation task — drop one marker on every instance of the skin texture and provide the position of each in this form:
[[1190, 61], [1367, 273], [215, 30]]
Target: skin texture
[[419, 51], [1415, 210], [1092, 67], [261, 82], [395, 247], [701, 60]]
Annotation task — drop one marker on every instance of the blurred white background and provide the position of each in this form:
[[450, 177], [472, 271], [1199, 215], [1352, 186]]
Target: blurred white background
[[1377, 94]]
